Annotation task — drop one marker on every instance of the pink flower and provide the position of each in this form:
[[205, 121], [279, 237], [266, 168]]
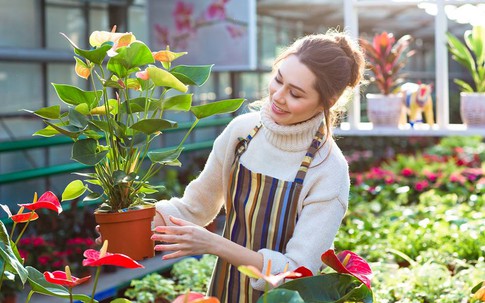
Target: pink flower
[[421, 185], [183, 16], [102, 257], [457, 178], [235, 31], [407, 172], [216, 10], [161, 35]]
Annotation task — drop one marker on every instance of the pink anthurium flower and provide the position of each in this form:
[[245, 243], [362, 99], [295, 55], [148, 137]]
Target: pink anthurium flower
[[102, 257], [274, 280], [195, 297], [142, 75], [64, 278], [347, 262], [20, 217], [47, 200]]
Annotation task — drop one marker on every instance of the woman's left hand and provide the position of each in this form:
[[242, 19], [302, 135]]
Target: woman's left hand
[[184, 239]]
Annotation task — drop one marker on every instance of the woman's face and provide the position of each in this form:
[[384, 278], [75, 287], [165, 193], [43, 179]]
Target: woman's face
[[293, 98]]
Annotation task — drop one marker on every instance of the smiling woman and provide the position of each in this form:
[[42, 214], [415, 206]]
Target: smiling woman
[[277, 172]]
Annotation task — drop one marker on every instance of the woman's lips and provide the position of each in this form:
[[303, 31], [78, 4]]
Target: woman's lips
[[277, 110]]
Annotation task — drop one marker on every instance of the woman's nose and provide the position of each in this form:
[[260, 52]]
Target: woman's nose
[[278, 95]]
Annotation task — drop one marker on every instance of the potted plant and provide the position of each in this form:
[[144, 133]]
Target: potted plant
[[471, 55], [385, 59], [114, 123]]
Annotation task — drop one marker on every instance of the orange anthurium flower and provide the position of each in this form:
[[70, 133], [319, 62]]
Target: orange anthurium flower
[[350, 263], [167, 55], [195, 297], [82, 69], [480, 293], [274, 280], [47, 200], [20, 217], [102, 257], [64, 278]]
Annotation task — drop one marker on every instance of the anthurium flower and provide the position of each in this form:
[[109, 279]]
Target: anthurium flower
[[119, 39], [347, 262], [47, 200], [82, 69], [167, 55], [274, 280], [64, 278], [195, 297], [20, 217], [102, 257], [480, 292]]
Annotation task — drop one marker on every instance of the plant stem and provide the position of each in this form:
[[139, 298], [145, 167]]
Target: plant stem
[[3, 272], [70, 294], [29, 296], [98, 271], [188, 133], [25, 227]]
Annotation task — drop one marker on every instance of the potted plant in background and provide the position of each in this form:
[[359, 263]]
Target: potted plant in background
[[113, 125], [385, 59], [471, 55]]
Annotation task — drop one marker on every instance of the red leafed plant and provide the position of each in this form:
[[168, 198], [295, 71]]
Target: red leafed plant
[[385, 58]]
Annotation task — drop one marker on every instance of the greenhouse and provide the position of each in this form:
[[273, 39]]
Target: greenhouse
[[245, 151]]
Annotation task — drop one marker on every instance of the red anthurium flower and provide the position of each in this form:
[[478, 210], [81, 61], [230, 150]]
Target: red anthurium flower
[[300, 272], [274, 280], [20, 217], [195, 297], [349, 263], [64, 278], [47, 200], [102, 257]]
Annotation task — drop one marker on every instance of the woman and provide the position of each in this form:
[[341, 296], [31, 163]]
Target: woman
[[283, 181]]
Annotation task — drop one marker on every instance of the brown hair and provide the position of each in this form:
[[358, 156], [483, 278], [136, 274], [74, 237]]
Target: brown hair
[[336, 61]]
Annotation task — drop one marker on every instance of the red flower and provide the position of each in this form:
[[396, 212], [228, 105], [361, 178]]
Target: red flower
[[47, 200], [20, 217], [183, 15], [194, 297], [421, 185], [64, 278], [349, 263], [102, 257], [255, 273]]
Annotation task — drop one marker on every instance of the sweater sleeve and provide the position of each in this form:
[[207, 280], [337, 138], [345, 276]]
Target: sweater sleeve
[[315, 231], [203, 197]]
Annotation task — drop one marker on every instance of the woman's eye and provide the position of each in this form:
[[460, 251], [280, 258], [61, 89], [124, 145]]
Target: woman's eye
[[294, 95], [278, 80]]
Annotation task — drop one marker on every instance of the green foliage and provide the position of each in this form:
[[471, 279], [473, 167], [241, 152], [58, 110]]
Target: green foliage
[[187, 274], [470, 55]]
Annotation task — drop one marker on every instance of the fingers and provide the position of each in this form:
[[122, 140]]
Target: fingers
[[98, 240]]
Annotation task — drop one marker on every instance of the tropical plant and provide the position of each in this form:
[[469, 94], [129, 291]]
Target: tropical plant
[[351, 281], [385, 58], [470, 55], [113, 124]]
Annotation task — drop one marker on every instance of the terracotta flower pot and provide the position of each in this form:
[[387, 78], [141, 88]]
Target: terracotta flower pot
[[128, 232]]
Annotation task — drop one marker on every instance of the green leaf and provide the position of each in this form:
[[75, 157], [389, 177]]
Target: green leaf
[[102, 125], [120, 176], [85, 152], [215, 108], [67, 130], [121, 300], [77, 119], [161, 77], [178, 103], [75, 96], [281, 295], [73, 190], [192, 75], [8, 255], [51, 112], [150, 126], [140, 104], [48, 131], [39, 285], [333, 287], [96, 55], [168, 157], [129, 58]]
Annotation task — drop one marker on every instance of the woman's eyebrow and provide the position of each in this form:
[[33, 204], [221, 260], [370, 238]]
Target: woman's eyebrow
[[292, 85]]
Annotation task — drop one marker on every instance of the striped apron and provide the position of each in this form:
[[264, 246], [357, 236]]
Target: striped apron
[[261, 212]]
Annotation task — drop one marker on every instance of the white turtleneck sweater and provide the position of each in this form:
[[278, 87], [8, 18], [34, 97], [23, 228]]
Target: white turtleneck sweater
[[276, 151]]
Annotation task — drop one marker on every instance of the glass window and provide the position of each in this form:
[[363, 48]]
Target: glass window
[[138, 22], [23, 16], [67, 20]]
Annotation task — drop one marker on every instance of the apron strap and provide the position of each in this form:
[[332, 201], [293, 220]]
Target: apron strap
[[310, 154], [243, 142]]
